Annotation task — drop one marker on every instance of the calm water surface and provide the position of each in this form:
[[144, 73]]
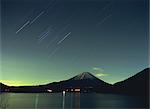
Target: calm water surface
[[68, 101]]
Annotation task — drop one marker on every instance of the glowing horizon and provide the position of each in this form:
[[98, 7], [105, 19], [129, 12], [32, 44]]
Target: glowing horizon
[[28, 83]]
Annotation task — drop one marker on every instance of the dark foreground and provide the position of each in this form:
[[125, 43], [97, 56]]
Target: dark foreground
[[69, 101]]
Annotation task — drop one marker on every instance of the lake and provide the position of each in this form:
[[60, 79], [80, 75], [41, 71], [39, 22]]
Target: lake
[[69, 101]]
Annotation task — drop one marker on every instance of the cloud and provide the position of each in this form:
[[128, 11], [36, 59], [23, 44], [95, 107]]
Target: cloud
[[98, 69], [101, 74]]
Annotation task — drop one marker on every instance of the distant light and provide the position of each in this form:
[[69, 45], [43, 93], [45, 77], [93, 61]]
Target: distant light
[[77, 90], [64, 92], [49, 90]]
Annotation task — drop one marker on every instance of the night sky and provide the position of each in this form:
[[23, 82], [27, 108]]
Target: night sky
[[43, 41]]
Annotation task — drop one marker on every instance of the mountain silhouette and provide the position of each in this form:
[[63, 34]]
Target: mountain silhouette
[[135, 85], [85, 81], [3, 87]]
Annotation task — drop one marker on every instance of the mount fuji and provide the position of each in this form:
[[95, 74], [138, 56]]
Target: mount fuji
[[85, 81]]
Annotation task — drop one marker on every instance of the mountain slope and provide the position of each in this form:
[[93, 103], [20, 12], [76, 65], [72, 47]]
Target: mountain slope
[[3, 87], [84, 75], [137, 84], [87, 79]]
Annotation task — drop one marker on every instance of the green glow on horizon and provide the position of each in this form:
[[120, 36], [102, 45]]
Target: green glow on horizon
[[31, 73], [118, 47]]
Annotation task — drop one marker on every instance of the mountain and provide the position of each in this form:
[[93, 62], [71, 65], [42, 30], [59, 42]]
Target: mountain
[[86, 79], [3, 87], [85, 82], [83, 76], [135, 85]]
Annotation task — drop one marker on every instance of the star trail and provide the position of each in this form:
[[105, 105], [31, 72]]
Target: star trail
[[53, 40]]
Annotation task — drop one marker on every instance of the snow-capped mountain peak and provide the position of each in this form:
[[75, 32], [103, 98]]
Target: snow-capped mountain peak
[[84, 75]]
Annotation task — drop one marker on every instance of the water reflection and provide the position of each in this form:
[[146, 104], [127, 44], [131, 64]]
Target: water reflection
[[69, 101], [36, 100], [4, 100], [89, 100], [77, 101], [63, 102]]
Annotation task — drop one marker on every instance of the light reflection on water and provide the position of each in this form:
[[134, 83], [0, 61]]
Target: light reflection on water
[[77, 101], [36, 100], [63, 102], [69, 101]]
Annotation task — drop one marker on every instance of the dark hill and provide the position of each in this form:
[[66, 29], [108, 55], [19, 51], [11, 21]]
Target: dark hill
[[3, 87], [135, 85]]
